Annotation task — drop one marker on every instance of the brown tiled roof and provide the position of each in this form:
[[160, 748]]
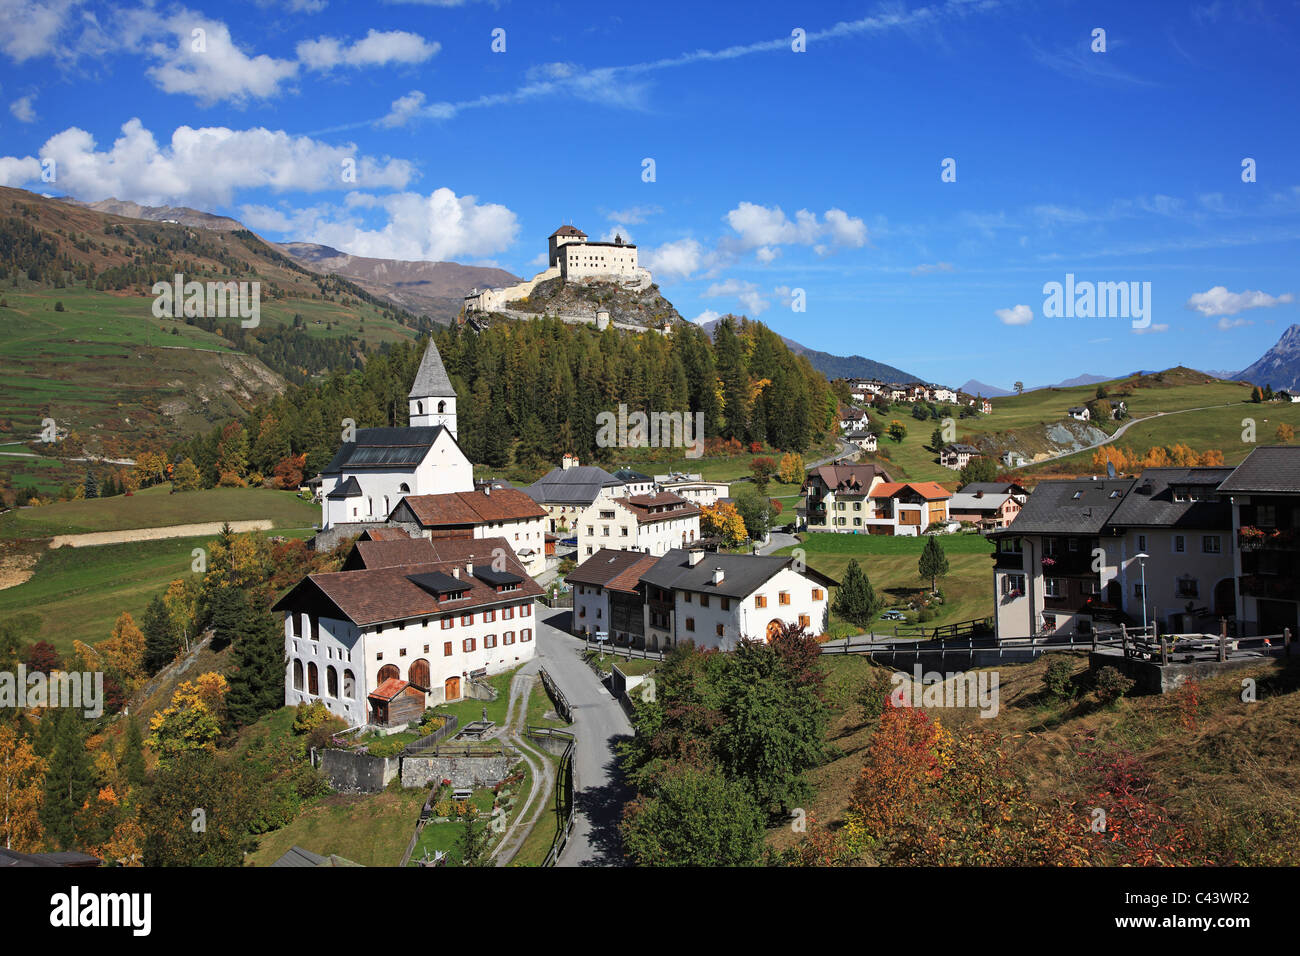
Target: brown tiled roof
[[389, 553], [617, 570], [382, 594], [568, 231], [643, 506], [473, 507], [393, 687], [385, 534], [850, 478], [930, 490]]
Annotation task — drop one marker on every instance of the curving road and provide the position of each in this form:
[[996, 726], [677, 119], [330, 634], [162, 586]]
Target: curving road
[[599, 724]]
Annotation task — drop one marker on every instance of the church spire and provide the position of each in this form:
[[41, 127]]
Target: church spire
[[432, 399]]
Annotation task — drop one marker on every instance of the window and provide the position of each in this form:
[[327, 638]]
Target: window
[[686, 597], [489, 640], [1210, 544], [315, 628], [719, 630], [525, 610], [526, 635], [446, 649], [816, 594], [704, 600], [507, 613], [1266, 516], [804, 620], [1188, 588], [489, 617], [1142, 542], [690, 624], [1180, 543], [448, 623], [468, 645], [508, 637], [783, 597], [1052, 587], [1013, 585], [467, 619], [726, 604], [401, 652], [297, 675], [760, 600]]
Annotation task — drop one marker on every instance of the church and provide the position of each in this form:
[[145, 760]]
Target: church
[[372, 473]]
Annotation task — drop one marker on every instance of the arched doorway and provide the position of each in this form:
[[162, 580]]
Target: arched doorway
[[774, 629], [451, 688], [1225, 598], [387, 671], [418, 675]]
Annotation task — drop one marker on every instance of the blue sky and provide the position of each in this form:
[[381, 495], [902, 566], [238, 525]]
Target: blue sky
[[394, 129]]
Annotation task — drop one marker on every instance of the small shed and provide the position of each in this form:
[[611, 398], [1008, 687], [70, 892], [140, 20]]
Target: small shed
[[395, 702]]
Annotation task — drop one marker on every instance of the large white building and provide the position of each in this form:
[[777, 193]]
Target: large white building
[[712, 599], [432, 614], [571, 256], [486, 512], [369, 475], [653, 524]]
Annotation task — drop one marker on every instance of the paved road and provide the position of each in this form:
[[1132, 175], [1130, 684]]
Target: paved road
[[599, 723], [1123, 428]]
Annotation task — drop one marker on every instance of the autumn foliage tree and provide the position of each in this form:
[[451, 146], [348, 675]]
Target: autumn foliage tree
[[723, 521], [22, 786]]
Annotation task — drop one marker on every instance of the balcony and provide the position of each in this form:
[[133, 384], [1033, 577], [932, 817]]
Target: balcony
[[1266, 539], [1009, 560], [1284, 586]]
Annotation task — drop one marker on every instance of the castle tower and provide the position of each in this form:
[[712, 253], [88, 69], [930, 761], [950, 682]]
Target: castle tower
[[432, 399], [561, 236]]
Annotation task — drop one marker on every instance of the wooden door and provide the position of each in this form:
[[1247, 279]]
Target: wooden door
[[452, 688], [387, 671], [418, 675]]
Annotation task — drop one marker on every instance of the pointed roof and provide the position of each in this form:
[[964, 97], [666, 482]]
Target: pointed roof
[[567, 230], [431, 380]]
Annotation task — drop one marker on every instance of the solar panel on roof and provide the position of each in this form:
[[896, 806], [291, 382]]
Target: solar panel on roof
[[496, 578], [437, 583]]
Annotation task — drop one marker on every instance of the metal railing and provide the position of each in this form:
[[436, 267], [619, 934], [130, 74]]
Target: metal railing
[[565, 787], [557, 696]]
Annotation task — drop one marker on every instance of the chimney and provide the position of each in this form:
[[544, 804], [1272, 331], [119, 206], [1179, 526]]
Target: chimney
[[487, 489], [469, 568], [695, 557], [717, 575], [569, 461], [455, 573]]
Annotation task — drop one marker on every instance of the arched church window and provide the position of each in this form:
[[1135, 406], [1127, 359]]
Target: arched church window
[[442, 407], [404, 488], [419, 408]]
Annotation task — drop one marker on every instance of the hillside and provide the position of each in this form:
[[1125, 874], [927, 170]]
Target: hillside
[[647, 309], [837, 366], [82, 346], [179, 214], [1280, 365], [435, 289]]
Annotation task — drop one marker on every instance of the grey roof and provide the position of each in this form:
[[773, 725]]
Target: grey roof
[[1077, 408], [1272, 468], [384, 448], [431, 379], [964, 501], [349, 489], [627, 474], [579, 485], [297, 856], [859, 434], [742, 574], [1151, 502], [961, 448], [1054, 509], [991, 488]]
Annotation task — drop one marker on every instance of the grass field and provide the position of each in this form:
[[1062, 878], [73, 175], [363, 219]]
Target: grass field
[[890, 565], [157, 507], [371, 829], [78, 593]]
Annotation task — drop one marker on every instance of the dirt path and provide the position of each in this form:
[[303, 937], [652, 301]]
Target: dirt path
[[153, 534], [1122, 429], [542, 772]]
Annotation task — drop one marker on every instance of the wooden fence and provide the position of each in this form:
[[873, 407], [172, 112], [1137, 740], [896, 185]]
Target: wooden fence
[[417, 747]]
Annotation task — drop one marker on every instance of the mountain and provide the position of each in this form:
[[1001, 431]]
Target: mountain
[[837, 366], [976, 387], [435, 289], [1280, 365], [1082, 380], [183, 215]]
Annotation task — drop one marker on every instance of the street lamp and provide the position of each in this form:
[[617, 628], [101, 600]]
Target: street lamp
[[1142, 563]]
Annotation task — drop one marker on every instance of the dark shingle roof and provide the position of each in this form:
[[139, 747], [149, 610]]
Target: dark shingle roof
[[1151, 502], [431, 379], [1273, 468], [742, 574], [384, 448], [580, 484], [627, 474], [608, 568], [1054, 509], [349, 489]]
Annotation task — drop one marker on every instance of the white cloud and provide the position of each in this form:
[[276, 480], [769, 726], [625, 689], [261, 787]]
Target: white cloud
[[1219, 301], [1016, 315], [617, 231], [927, 268], [1225, 323], [679, 259], [746, 293], [32, 28], [375, 49], [206, 65], [1152, 329], [633, 215], [438, 226], [15, 171], [707, 316], [203, 166], [23, 109], [764, 228]]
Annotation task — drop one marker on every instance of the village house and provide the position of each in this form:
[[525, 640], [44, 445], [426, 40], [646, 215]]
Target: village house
[[487, 512], [1079, 413], [835, 496], [852, 419], [461, 610], [571, 489], [1264, 493], [957, 456], [379, 466], [635, 483], [1013, 459], [906, 508], [941, 393], [653, 524], [693, 487], [714, 600], [862, 439], [985, 510], [1017, 491]]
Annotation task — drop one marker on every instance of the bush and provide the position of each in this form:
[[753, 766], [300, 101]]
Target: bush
[[1059, 678], [1111, 685]]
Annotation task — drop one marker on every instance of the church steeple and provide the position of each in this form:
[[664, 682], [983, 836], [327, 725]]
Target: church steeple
[[432, 399]]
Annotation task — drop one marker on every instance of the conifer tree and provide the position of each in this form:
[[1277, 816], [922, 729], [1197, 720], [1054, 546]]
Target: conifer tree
[[933, 563], [856, 600], [70, 779]]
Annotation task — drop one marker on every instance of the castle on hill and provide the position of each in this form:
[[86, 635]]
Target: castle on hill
[[573, 257]]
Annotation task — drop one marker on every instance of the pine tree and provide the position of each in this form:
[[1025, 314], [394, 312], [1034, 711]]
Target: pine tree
[[70, 779], [132, 762], [257, 684], [160, 643], [91, 486], [856, 600], [933, 563]]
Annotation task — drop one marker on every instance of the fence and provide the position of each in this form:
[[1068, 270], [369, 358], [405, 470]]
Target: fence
[[974, 628], [557, 697], [565, 786], [418, 747], [625, 651], [562, 599]]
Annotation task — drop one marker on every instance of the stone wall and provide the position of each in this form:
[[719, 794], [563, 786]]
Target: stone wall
[[353, 772], [483, 771]]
